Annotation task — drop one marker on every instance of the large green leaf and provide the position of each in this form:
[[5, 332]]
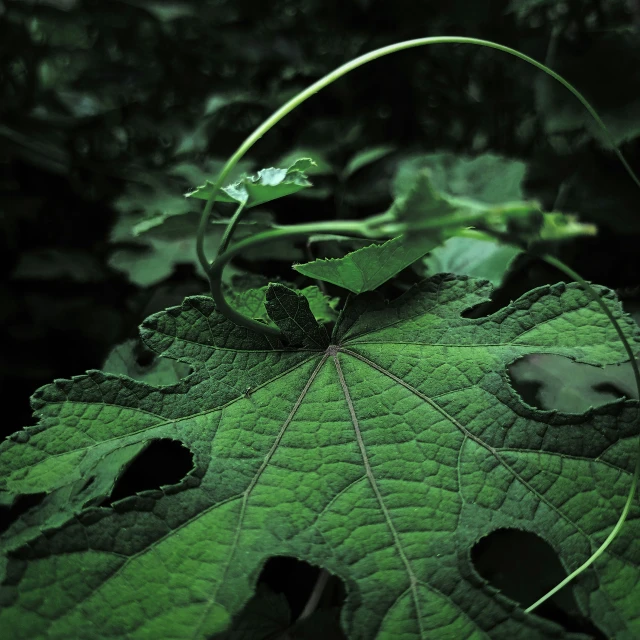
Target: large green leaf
[[382, 454]]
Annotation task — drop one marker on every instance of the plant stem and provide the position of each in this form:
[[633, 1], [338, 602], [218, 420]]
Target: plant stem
[[214, 271], [202, 229], [479, 235], [314, 598], [231, 227], [334, 75], [634, 480]]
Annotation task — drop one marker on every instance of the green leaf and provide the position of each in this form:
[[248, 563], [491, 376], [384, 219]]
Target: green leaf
[[320, 167], [367, 268], [152, 255], [152, 200], [382, 456], [487, 178], [264, 186], [252, 303], [424, 209], [471, 257], [290, 311]]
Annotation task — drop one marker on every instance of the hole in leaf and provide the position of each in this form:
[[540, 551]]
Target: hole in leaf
[[9, 515], [144, 357], [293, 582], [548, 381], [283, 590], [485, 309], [524, 567], [133, 359], [163, 462]]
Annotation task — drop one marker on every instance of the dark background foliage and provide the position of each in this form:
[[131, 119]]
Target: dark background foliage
[[107, 107]]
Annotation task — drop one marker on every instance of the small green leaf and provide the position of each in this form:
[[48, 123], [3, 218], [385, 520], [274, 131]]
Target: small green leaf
[[321, 166], [264, 186], [251, 302], [367, 268], [290, 310]]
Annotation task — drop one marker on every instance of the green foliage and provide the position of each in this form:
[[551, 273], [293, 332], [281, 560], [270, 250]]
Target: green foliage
[[487, 178], [266, 185], [468, 256], [438, 195], [251, 302], [367, 268], [382, 454]]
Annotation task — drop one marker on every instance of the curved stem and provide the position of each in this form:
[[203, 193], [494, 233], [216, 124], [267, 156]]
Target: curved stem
[[292, 232], [231, 227], [275, 117], [316, 594], [202, 228], [214, 271], [479, 235], [636, 473]]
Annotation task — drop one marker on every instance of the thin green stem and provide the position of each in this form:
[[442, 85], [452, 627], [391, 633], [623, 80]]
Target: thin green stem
[[636, 473], [292, 232], [231, 227], [316, 594], [334, 75], [479, 235], [202, 229], [214, 271]]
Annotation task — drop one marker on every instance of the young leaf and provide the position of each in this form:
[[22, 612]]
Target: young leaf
[[382, 457], [367, 268], [264, 186], [251, 303]]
